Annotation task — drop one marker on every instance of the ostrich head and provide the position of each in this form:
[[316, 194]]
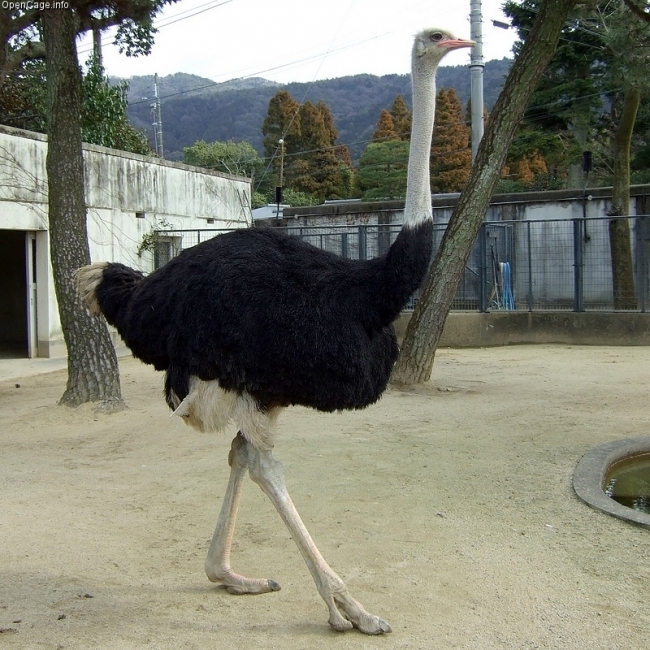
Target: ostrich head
[[432, 44]]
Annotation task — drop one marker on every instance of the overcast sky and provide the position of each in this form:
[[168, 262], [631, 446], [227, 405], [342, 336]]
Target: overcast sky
[[300, 40]]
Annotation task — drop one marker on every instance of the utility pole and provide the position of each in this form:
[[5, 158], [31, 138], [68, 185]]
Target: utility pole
[[156, 114], [476, 74], [97, 46]]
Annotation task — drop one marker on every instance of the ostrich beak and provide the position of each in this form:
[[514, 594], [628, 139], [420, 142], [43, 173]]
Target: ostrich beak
[[455, 43]]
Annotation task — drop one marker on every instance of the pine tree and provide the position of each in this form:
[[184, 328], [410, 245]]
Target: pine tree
[[383, 170], [317, 170], [328, 122], [451, 157], [524, 172], [402, 118], [313, 163], [282, 122], [537, 163], [343, 155], [385, 128]]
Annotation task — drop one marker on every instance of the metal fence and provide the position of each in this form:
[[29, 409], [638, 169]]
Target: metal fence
[[514, 265]]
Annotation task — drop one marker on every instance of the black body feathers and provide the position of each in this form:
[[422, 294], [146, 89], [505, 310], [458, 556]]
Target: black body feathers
[[267, 314]]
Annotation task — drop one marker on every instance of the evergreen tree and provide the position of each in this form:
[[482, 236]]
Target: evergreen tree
[[383, 170], [343, 155], [104, 121], [317, 170], [402, 118], [385, 128], [328, 122], [103, 113], [314, 165], [282, 122], [23, 100], [344, 180], [238, 158], [451, 157]]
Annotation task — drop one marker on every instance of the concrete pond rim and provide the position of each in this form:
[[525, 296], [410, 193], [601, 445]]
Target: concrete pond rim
[[591, 472]]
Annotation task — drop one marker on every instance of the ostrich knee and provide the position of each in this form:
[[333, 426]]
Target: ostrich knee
[[265, 470]]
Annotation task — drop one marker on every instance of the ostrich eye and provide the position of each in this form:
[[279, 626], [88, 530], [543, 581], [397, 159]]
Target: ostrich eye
[[435, 37]]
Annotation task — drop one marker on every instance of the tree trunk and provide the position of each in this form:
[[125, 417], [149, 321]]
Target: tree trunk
[[619, 229], [423, 333], [92, 363]]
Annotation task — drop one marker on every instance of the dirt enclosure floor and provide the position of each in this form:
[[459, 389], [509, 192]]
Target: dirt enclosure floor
[[448, 510]]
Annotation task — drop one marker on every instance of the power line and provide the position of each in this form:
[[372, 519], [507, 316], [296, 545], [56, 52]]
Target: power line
[[257, 73], [170, 20]]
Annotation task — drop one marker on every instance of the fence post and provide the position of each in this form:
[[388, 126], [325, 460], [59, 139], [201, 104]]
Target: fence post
[[641, 254], [578, 276], [344, 244], [363, 250], [482, 269], [198, 236], [529, 297]]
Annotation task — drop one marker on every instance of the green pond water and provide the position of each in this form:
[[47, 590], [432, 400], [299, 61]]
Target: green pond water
[[628, 482]]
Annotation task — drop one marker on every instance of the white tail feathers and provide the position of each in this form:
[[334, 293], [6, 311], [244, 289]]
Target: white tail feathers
[[87, 279]]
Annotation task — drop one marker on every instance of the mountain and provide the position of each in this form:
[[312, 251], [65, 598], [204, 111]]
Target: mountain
[[195, 108], [181, 83]]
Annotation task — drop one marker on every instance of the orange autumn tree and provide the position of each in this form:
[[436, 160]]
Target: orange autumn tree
[[451, 156], [385, 129], [402, 118]]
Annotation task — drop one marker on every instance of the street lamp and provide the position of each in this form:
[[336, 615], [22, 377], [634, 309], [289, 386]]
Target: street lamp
[[278, 189]]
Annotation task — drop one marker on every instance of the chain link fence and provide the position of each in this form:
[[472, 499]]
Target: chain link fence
[[513, 265]]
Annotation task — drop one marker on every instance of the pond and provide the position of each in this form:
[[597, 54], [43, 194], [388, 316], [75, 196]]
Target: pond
[[628, 482]]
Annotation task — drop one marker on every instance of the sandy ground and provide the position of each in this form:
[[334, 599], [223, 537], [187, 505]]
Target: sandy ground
[[448, 510]]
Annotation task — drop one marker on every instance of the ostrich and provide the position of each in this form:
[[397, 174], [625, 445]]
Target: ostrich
[[253, 321]]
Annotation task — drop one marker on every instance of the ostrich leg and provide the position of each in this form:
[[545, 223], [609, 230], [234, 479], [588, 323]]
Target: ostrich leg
[[345, 612], [217, 563]]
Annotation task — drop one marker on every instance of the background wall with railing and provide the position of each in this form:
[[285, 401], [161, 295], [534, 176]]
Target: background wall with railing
[[549, 264]]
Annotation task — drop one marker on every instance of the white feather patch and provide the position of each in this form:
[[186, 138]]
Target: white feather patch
[[208, 407]]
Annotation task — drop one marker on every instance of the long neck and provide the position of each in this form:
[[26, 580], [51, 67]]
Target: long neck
[[417, 208], [407, 261]]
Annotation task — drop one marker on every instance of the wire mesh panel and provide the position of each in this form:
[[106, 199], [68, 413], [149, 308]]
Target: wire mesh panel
[[513, 265], [544, 273], [169, 243], [598, 286], [361, 242]]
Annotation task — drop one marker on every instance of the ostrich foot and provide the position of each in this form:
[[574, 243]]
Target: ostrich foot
[[236, 584], [346, 613]]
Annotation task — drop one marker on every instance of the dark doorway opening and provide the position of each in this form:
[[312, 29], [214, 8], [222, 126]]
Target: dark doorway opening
[[13, 294]]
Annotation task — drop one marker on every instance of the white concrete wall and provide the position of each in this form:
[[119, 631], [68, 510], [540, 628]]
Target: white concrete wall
[[119, 186]]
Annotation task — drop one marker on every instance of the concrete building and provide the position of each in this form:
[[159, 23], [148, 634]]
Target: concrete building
[[129, 198]]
